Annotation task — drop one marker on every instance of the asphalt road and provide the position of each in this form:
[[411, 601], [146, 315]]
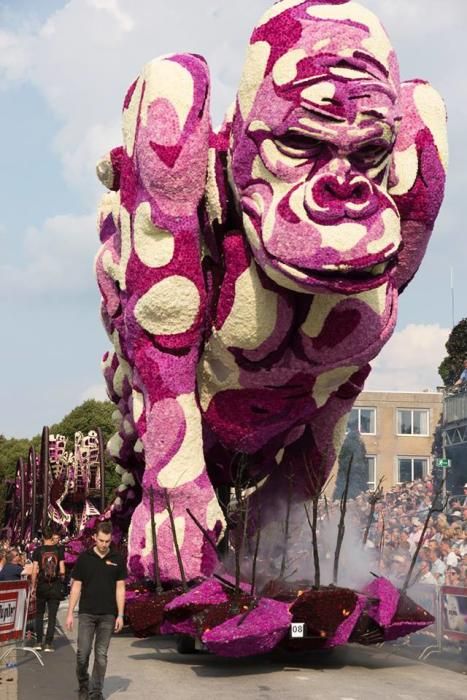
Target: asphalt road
[[151, 669]]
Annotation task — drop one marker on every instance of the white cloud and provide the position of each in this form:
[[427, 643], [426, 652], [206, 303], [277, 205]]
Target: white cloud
[[122, 18], [79, 161], [410, 360], [14, 58], [84, 75], [96, 391], [56, 257]]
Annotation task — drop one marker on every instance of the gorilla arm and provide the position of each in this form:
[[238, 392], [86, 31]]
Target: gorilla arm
[[158, 325]]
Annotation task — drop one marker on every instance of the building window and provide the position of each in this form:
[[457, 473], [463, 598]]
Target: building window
[[371, 464], [411, 468], [363, 420], [412, 421]]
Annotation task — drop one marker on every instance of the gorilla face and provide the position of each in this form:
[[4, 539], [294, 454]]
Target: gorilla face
[[310, 162]]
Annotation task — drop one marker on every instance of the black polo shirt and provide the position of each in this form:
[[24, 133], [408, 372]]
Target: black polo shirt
[[99, 576]]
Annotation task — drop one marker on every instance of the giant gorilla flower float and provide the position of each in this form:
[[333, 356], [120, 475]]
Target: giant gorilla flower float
[[249, 275]]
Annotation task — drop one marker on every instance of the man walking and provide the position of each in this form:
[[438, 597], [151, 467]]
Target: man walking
[[48, 573], [99, 584]]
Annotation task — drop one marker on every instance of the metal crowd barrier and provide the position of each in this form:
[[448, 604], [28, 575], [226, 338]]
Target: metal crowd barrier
[[448, 605], [15, 597]]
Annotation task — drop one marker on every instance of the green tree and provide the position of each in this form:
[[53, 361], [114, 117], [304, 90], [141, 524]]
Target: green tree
[[456, 346], [11, 449], [87, 416], [352, 447]]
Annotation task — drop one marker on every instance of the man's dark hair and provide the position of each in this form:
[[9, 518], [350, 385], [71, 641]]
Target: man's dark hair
[[105, 527], [11, 555], [47, 532]]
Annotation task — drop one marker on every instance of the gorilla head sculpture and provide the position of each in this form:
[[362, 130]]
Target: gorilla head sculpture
[[311, 154], [249, 276], [321, 141]]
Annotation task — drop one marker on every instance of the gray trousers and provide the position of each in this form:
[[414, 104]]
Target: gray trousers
[[98, 628]]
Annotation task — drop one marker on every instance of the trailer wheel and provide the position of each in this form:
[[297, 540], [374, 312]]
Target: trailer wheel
[[186, 644]]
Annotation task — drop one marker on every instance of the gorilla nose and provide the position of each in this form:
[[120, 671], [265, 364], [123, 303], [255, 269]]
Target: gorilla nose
[[329, 188], [331, 198]]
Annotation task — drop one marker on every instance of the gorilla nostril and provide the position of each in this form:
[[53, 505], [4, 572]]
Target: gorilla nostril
[[357, 192]]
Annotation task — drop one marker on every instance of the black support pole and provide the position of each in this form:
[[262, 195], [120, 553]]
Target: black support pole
[[33, 469], [101, 467], [44, 467], [20, 469]]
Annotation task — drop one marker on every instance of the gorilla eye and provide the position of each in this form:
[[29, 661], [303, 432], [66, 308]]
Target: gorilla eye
[[371, 155], [298, 145]]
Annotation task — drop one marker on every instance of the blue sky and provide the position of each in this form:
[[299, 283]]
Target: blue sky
[[64, 69]]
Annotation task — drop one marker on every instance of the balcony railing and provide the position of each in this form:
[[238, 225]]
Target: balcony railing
[[455, 407]]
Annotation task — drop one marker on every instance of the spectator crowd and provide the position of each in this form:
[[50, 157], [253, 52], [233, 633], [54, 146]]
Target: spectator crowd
[[396, 527]]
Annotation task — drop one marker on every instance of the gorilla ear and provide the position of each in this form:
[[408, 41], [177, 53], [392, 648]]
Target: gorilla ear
[[418, 172], [108, 169]]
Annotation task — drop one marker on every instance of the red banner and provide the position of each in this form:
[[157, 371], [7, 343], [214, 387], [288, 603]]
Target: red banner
[[14, 597], [453, 604]]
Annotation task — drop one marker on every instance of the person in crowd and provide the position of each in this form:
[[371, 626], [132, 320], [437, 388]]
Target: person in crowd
[[394, 538], [99, 584], [463, 569], [447, 555], [415, 534], [12, 568], [462, 381], [399, 568], [27, 565], [424, 574], [463, 546], [47, 582], [57, 540], [453, 576]]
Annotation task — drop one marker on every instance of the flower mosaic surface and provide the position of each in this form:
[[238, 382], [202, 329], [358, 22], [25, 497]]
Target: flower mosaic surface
[[249, 275]]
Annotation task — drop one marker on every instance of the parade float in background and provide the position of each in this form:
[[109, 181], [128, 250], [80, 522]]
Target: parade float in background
[[59, 486]]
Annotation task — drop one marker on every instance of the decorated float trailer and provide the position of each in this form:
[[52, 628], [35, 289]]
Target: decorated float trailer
[[248, 277]]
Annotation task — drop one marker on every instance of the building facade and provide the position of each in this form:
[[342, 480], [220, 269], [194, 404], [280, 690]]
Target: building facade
[[397, 429]]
